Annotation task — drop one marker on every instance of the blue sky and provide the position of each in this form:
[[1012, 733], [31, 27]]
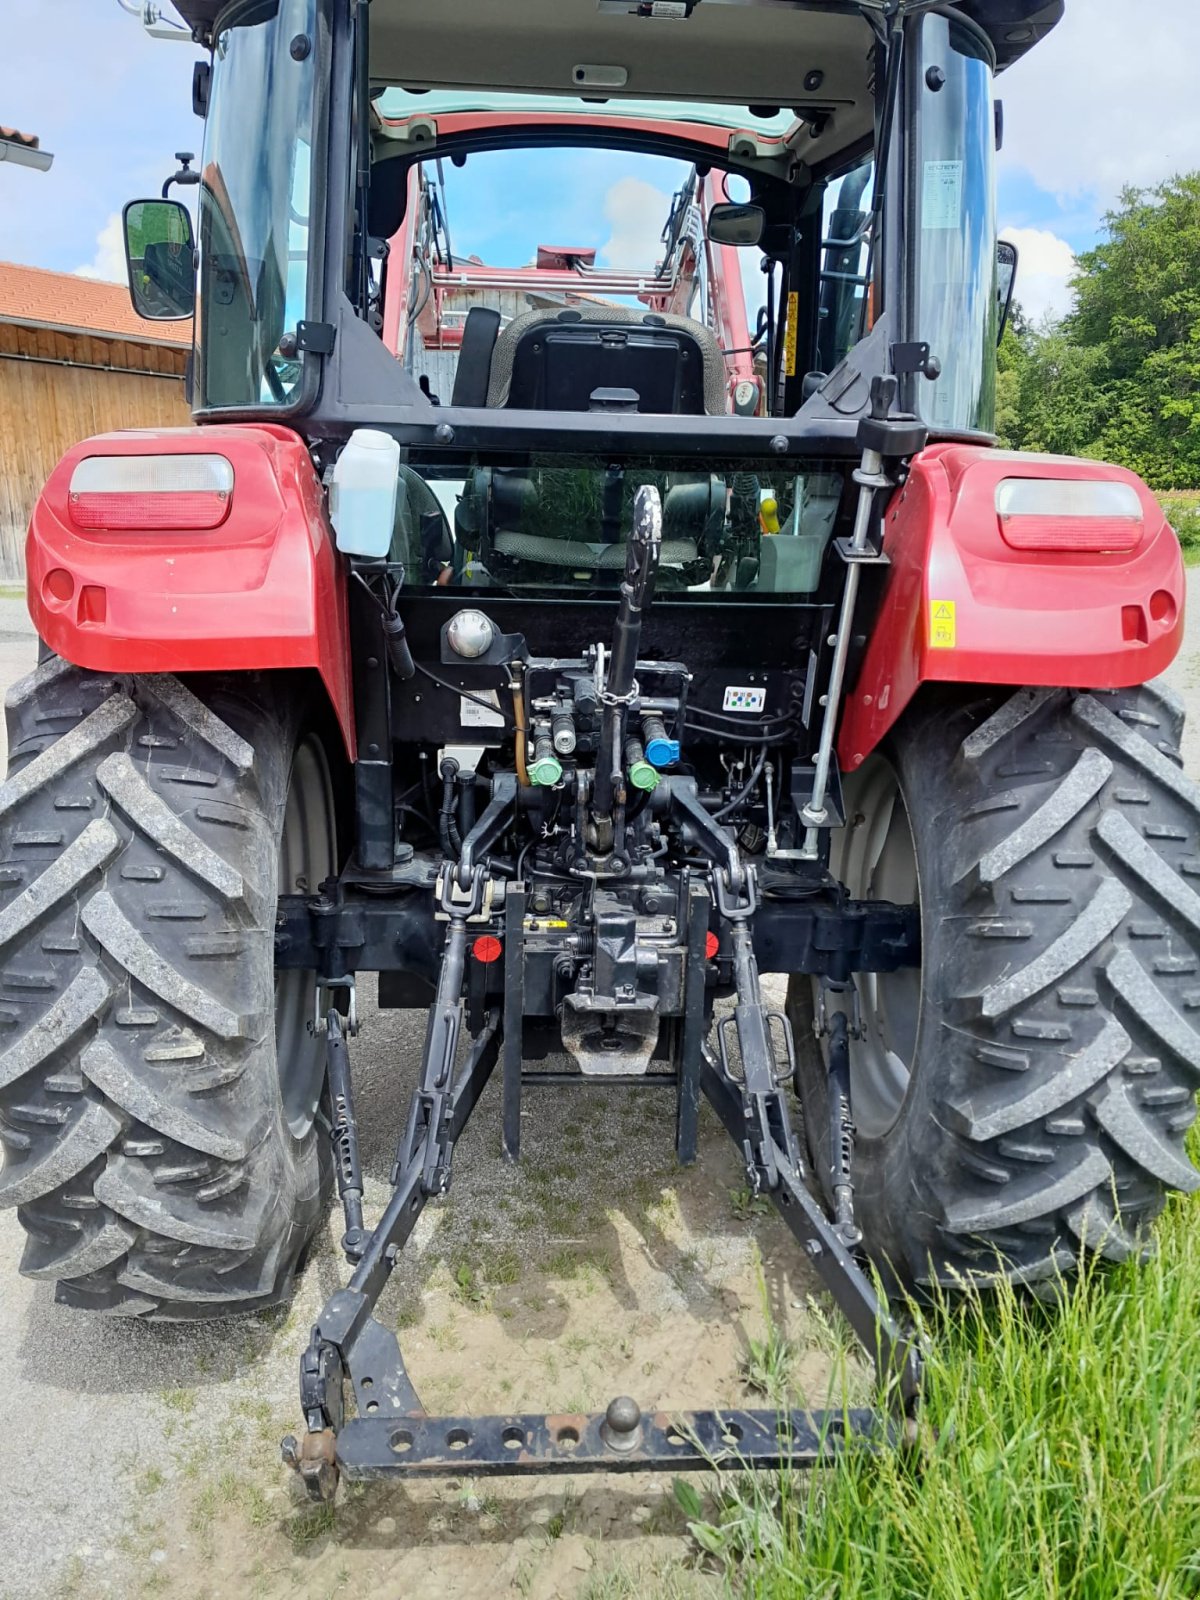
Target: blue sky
[[1110, 98]]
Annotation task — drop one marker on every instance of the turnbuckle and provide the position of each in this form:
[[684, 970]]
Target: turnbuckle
[[343, 1134], [841, 1133]]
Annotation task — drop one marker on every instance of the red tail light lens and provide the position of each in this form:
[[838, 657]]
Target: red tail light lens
[[151, 493], [1069, 514]]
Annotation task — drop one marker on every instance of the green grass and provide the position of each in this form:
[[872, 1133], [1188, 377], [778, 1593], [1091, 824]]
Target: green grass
[[1064, 1461], [1183, 513]]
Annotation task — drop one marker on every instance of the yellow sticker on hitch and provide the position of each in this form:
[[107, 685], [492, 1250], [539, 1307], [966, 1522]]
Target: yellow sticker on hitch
[[943, 627]]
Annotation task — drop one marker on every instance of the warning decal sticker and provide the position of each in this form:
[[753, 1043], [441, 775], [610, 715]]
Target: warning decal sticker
[[789, 336], [942, 625], [942, 195]]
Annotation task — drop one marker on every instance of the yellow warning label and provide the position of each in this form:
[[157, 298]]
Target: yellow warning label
[[943, 627], [789, 338]]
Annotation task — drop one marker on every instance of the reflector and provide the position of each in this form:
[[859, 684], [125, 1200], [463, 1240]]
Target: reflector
[[151, 492], [1069, 514]]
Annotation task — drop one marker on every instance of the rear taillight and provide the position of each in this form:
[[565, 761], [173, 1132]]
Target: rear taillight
[[151, 493], [1069, 514]]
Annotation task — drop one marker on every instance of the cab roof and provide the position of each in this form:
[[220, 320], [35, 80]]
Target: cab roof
[[736, 51]]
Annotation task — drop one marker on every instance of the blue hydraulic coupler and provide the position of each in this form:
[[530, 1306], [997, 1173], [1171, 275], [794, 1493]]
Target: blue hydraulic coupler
[[660, 751]]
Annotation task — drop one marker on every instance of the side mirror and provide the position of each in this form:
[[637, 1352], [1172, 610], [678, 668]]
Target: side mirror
[[736, 224], [160, 252], [1006, 282]]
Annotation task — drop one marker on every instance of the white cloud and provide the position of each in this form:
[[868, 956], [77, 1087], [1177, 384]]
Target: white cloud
[[108, 264], [112, 104], [1044, 266], [1107, 100], [637, 213]]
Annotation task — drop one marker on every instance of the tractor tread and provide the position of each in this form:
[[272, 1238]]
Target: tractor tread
[[86, 995], [1103, 913], [115, 933], [86, 1137], [147, 1101], [1089, 775], [1055, 1078], [125, 785], [1110, 1149], [80, 1256], [201, 720], [108, 719], [141, 1124]]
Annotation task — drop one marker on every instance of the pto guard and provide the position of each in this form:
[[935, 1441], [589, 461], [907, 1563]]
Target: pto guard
[[962, 606], [261, 591]]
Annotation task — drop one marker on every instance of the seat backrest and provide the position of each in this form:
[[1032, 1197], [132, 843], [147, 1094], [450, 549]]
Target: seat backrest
[[475, 357], [556, 360]]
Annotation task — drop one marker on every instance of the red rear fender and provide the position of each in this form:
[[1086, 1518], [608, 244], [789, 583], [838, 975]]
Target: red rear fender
[[962, 605], [265, 589]]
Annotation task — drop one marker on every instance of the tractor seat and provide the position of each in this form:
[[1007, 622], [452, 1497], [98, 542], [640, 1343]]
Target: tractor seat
[[548, 360]]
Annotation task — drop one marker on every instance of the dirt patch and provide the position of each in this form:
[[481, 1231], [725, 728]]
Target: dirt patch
[[594, 1268]]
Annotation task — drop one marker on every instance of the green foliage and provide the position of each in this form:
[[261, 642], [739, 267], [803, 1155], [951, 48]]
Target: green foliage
[[1183, 513], [1119, 378], [1061, 1458], [766, 1366]]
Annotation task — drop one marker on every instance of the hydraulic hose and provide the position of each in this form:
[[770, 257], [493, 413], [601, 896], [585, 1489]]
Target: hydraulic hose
[[448, 834], [755, 774], [518, 694]]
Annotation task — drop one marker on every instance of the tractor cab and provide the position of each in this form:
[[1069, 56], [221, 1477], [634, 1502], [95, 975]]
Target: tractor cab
[[773, 153]]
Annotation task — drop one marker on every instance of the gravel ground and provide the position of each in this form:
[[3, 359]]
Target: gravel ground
[[144, 1461]]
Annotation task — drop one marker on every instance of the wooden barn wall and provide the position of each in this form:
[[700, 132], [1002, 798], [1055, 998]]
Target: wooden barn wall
[[59, 388]]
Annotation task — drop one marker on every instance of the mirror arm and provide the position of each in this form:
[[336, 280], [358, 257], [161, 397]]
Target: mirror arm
[[184, 175]]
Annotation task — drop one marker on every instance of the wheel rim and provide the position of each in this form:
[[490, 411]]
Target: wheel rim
[[306, 857], [879, 862]]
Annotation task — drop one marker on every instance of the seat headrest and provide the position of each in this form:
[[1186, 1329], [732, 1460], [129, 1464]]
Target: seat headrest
[[715, 389]]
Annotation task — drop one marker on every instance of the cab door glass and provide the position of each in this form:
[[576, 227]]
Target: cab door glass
[[952, 207], [844, 312]]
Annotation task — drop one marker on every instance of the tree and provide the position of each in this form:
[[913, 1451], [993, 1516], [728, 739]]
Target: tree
[[1014, 353], [1119, 378]]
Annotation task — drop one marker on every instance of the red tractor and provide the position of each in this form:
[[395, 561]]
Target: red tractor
[[568, 644]]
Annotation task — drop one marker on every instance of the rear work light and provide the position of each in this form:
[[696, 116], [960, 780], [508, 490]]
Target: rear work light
[[151, 493], [1069, 514]]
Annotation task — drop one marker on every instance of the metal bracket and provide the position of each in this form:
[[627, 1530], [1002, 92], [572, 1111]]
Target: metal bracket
[[471, 901], [729, 907], [316, 337], [867, 556], [320, 1022], [854, 1022], [915, 357]]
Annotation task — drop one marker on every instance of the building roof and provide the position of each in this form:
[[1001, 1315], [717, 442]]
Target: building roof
[[15, 136], [36, 298]]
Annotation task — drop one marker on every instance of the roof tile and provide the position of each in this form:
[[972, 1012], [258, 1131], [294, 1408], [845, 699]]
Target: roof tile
[[79, 305]]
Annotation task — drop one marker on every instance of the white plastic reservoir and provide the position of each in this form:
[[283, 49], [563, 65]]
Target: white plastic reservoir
[[362, 493]]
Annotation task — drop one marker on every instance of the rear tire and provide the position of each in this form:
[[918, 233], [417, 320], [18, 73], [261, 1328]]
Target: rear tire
[[158, 1164], [1048, 1066]]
